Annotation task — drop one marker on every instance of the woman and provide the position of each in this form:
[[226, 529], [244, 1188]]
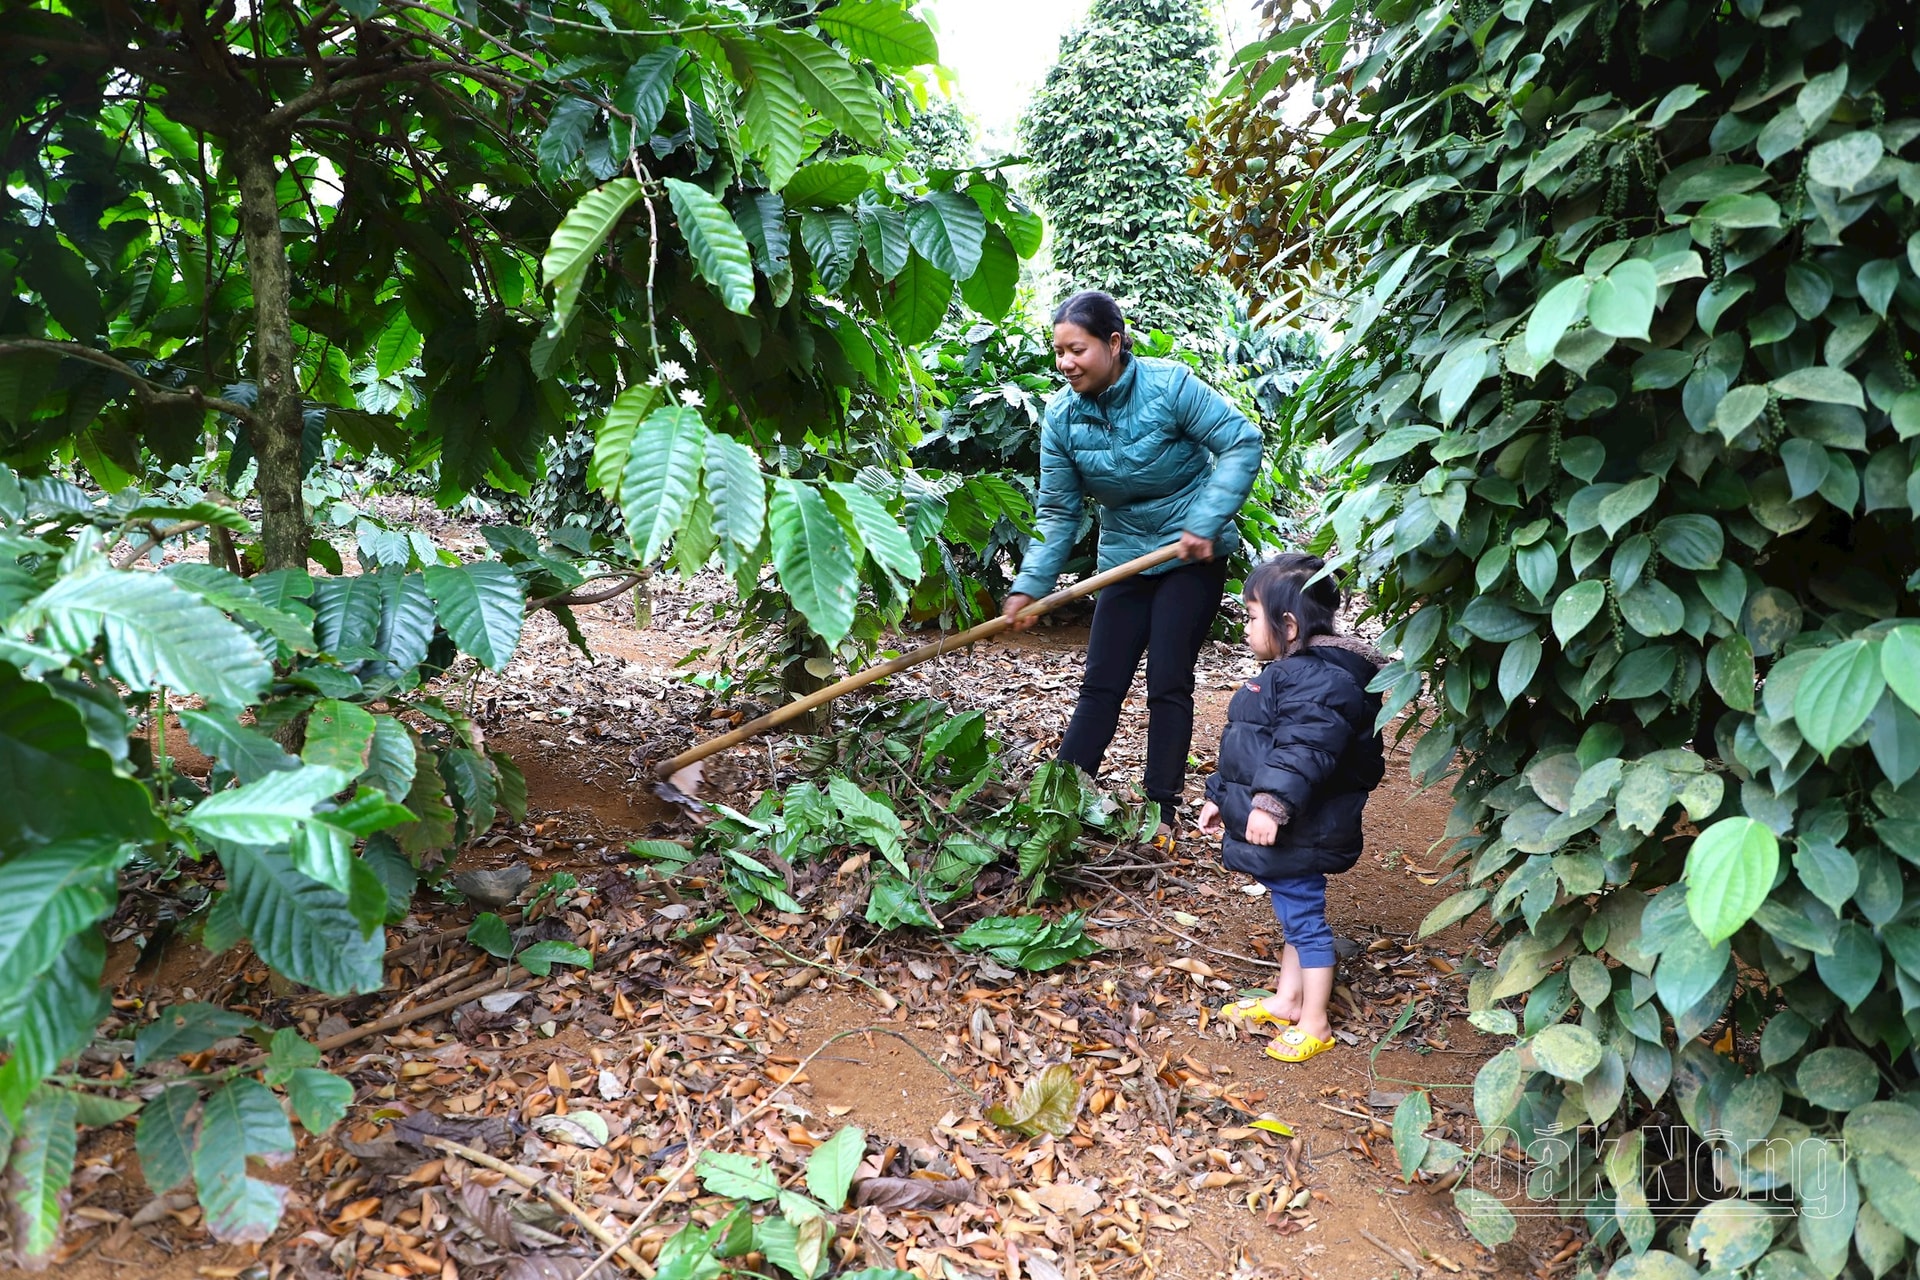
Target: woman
[[1164, 456]]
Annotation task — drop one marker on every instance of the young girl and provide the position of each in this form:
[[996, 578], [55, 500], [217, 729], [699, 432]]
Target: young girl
[[1296, 763]]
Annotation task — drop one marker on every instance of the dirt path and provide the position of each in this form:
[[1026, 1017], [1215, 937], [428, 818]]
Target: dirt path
[[1163, 1175]]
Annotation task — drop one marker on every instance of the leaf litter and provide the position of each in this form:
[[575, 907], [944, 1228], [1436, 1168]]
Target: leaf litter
[[1089, 1117]]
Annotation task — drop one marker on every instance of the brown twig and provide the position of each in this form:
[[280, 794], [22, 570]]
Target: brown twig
[[1161, 923], [628, 581], [444, 935], [394, 1021], [144, 387], [615, 1245], [441, 983], [1394, 1251], [155, 537]]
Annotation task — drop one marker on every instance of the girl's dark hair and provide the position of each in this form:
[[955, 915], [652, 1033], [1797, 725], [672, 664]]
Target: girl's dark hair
[[1097, 313], [1286, 585]]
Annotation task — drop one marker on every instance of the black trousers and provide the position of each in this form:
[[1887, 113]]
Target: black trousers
[[1165, 617]]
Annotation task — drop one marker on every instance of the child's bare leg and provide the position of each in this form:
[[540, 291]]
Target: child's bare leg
[[1306, 975], [1316, 992], [1285, 1000]]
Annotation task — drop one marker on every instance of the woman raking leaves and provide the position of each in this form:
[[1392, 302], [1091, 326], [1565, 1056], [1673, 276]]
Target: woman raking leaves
[[1163, 456]]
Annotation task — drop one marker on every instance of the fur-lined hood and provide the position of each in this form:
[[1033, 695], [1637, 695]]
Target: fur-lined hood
[[1352, 644]]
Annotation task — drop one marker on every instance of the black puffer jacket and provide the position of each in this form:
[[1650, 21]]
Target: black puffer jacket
[[1302, 732]]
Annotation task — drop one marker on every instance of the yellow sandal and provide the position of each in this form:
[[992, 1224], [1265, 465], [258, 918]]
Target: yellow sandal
[[1295, 1045], [1250, 1013]]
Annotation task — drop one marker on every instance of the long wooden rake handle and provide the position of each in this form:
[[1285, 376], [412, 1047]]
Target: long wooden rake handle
[[893, 666]]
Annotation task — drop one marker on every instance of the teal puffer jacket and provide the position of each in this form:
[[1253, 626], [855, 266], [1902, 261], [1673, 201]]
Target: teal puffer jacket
[[1160, 451]]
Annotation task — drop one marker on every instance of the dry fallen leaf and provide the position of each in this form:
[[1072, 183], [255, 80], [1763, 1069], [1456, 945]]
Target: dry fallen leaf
[[544, 1266], [910, 1193], [1068, 1197]]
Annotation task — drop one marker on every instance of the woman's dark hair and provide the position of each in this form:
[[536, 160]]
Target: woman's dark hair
[[1286, 585], [1097, 313]]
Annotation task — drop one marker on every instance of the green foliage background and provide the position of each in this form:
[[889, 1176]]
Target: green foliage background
[[1107, 134], [1630, 294]]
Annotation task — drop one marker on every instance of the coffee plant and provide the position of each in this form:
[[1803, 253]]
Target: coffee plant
[[1629, 295], [336, 781]]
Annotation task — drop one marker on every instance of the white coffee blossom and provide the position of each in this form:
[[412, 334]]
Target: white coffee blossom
[[672, 371], [692, 399]]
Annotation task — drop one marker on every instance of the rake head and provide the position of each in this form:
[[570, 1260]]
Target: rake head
[[683, 787]]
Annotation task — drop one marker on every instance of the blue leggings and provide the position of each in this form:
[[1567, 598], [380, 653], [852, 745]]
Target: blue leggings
[[1300, 905]]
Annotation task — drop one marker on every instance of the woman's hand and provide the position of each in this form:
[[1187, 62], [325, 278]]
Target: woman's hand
[[1262, 827], [1011, 608], [1209, 820], [1195, 547]]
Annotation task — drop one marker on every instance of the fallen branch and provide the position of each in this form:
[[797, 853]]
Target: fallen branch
[[393, 1021], [450, 978], [616, 1246]]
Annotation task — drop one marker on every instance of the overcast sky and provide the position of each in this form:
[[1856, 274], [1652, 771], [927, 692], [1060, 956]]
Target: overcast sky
[[999, 51]]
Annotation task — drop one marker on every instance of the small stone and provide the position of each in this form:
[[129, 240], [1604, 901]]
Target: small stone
[[494, 888]]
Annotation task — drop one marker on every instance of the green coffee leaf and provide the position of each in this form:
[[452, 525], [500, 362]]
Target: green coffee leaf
[[319, 1098], [481, 605], [832, 1164], [718, 247], [300, 927], [881, 30], [662, 476], [42, 1168], [187, 1028], [490, 933], [240, 1119], [579, 237], [267, 811], [949, 231], [741, 1177], [540, 958], [810, 551], [243, 751], [165, 1137]]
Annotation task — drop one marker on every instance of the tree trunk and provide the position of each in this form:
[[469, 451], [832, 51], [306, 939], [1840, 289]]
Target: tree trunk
[[804, 646], [277, 426]]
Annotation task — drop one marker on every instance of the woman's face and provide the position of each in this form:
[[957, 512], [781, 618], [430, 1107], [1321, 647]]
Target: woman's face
[[1088, 364]]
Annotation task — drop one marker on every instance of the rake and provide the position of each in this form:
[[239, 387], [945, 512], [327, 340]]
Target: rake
[[679, 778]]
